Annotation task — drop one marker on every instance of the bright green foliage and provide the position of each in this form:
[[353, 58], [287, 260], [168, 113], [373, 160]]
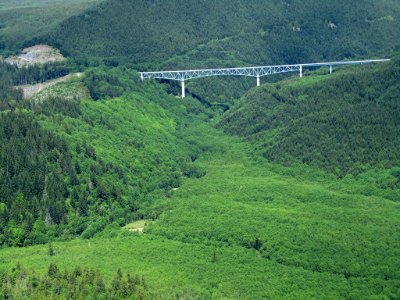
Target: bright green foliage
[[226, 223], [344, 124], [219, 220], [108, 158], [223, 221], [250, 229]]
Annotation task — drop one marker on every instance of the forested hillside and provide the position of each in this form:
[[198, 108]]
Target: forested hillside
[[345, 123], [20, 20], [190, 34], [218, 218], [116, 188], [70, 168], [238, 228], [182, 33]]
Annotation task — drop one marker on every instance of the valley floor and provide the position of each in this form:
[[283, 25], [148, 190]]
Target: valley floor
[[249, 229]]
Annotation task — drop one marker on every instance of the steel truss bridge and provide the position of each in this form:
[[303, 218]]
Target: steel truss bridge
[[256, 72]]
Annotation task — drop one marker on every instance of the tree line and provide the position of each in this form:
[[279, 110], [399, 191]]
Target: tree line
[[79, 283]]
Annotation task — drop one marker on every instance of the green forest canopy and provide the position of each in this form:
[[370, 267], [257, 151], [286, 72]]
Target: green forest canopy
[[220, 33], [222, 219], [344, 124]]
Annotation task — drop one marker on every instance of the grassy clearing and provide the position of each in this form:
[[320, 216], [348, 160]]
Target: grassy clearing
[[73, 89], [137, 226]]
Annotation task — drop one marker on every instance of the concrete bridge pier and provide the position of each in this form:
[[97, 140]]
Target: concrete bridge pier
[[258, 80], [183, 89], [330, 69], [301, 71]]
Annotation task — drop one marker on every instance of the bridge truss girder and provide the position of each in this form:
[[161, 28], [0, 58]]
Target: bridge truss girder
[[246, 71]]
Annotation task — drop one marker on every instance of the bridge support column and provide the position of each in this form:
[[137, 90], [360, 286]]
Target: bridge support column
[[258, 80], [183, 88], [301, 71], [330, 69]]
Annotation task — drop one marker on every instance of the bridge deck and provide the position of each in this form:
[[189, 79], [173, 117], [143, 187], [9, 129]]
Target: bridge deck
[[247, 71]]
